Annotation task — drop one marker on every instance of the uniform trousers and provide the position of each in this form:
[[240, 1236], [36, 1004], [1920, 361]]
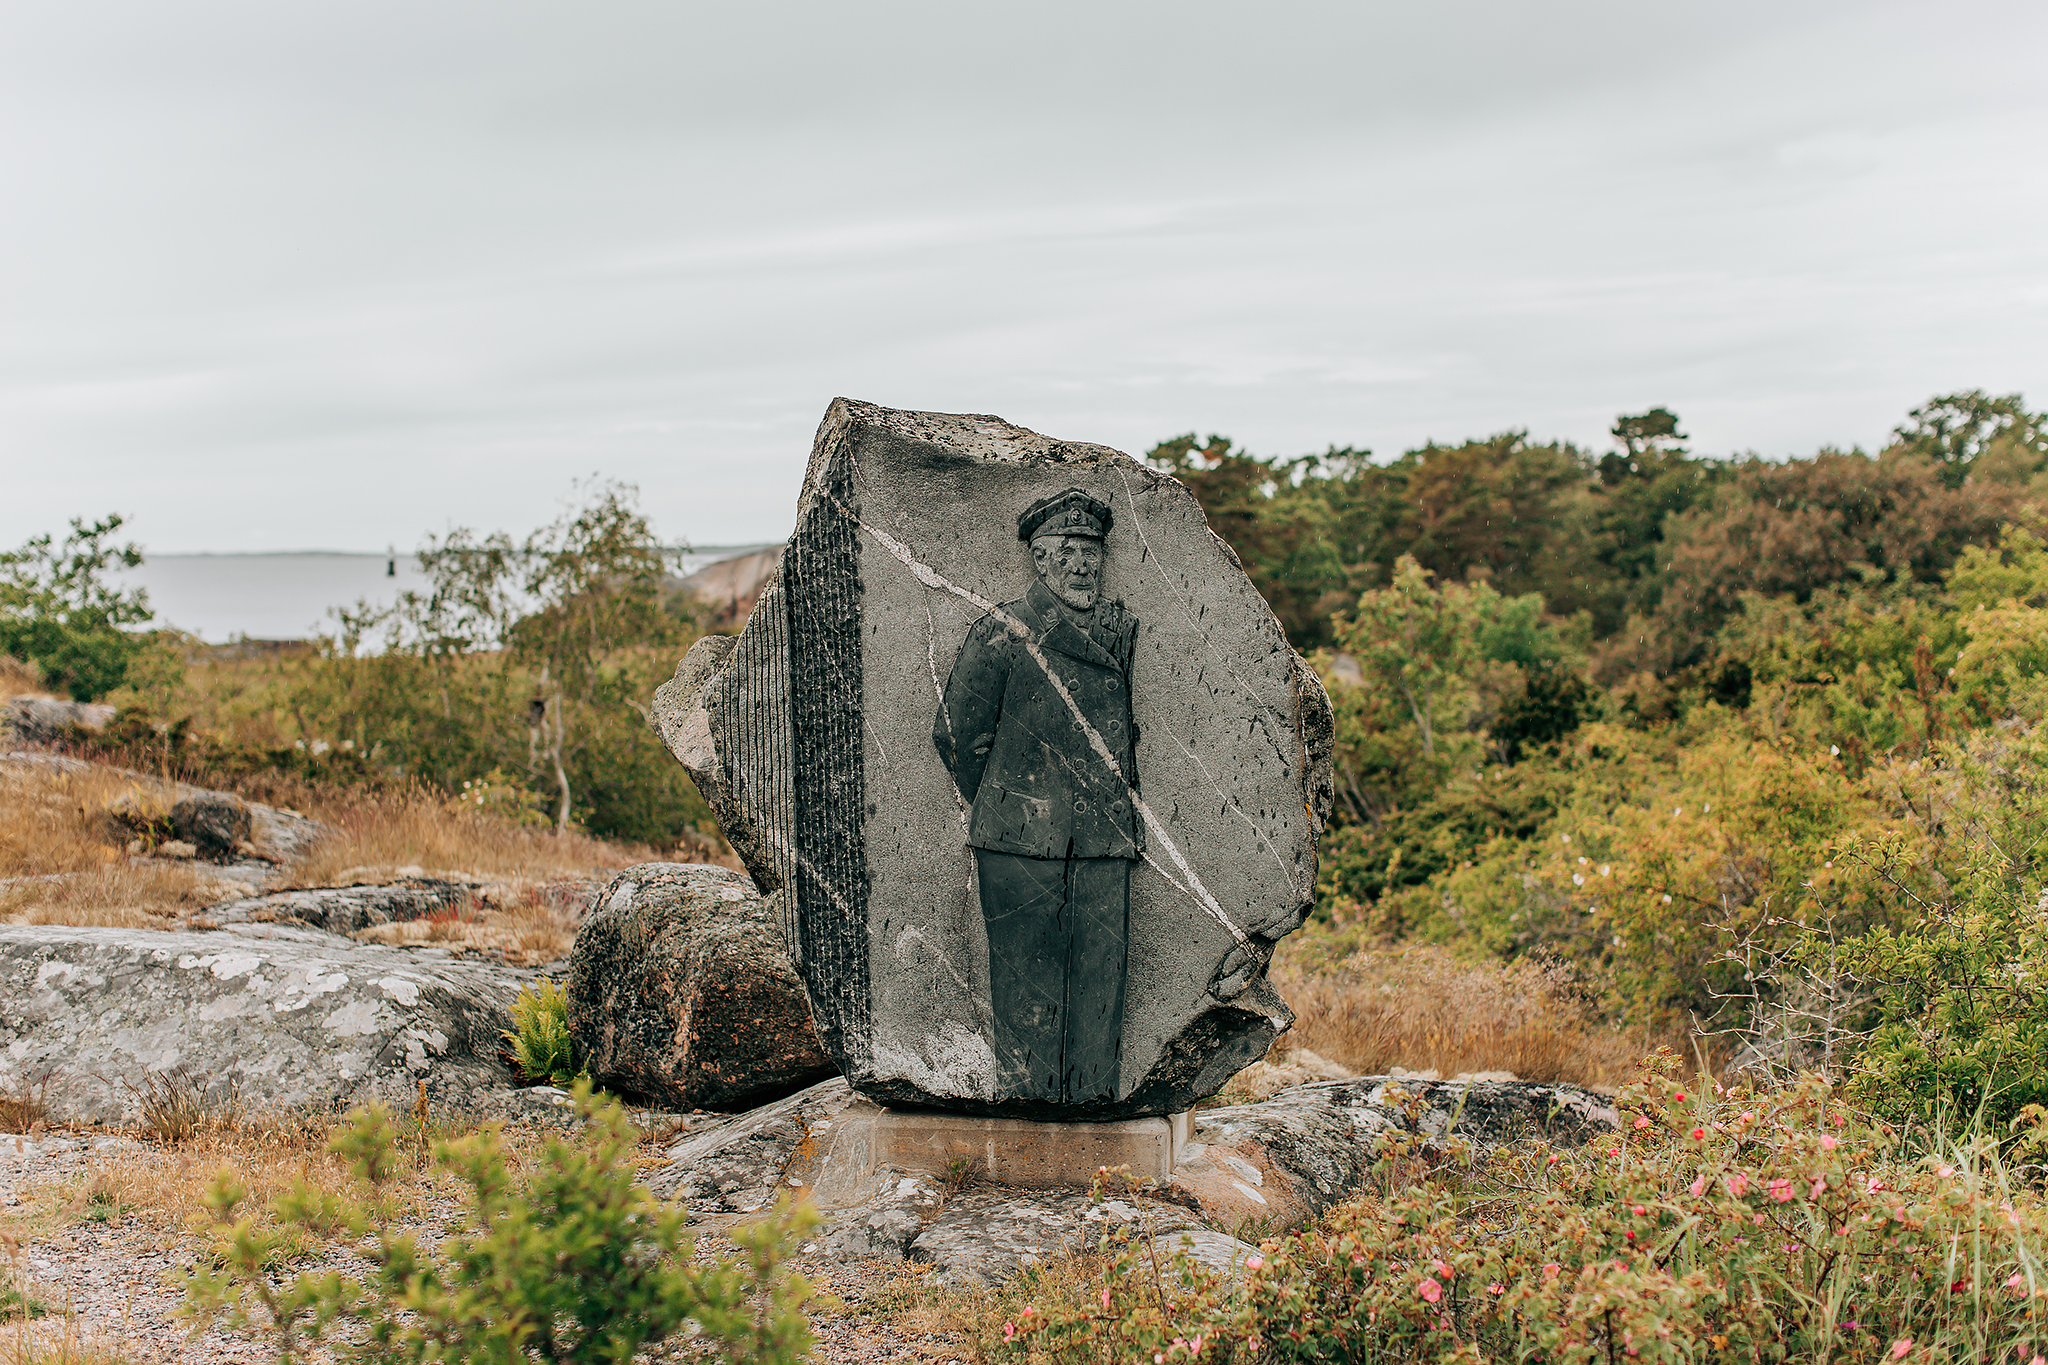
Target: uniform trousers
[[1058, 936]]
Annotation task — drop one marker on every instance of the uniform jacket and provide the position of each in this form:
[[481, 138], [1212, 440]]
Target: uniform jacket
[[1036, 785]]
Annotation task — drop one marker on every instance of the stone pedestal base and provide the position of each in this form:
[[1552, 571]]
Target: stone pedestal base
[[1024, 1154], [840, 1164]]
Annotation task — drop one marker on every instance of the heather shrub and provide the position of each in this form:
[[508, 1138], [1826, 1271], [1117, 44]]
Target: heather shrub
[[1724, 1226]]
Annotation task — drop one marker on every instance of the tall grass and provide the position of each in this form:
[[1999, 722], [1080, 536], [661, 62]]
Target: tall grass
[[1423, 1009], [61, 861], [375, 833]]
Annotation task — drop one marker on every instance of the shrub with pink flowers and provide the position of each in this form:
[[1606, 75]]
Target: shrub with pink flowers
[[1726, 1227]]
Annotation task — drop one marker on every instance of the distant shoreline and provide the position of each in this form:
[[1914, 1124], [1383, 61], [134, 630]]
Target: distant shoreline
[[710, 553], [228, 595]]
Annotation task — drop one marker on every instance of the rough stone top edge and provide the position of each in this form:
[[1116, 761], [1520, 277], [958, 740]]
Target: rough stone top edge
[[973, 435]]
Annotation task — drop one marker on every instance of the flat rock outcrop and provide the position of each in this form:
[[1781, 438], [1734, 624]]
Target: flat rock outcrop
[[43, 720], [274, 1018], [1247, 1170], [1283, 1160], [347, 909], [680, 990]]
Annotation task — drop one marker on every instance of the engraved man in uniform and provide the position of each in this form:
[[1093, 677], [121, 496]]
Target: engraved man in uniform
[[1036, 729]]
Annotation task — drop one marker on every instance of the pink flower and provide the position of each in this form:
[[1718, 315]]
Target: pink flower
[[1642, 1122], [1105, 1299], [1550, 1269], [1430, 1290], [1639, 1210], [1679, 1097], [1699, 1133], [1945, 1172], [1443, 1271], [2016, 1281], [1781, 1189], [1738, 1184], [1699, 1187], [1900, 1347], [1250, 1263], [1009, 1331], [1819, 1187], [1828, 1142], [1496, 1288]]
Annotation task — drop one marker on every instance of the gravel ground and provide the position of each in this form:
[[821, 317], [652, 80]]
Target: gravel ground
[[110, 1285]]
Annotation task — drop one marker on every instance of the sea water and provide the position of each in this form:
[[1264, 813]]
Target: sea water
[[293, 595]]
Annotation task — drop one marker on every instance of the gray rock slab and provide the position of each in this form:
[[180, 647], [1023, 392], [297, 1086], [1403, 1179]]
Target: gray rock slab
[[1276, 1163], [680, 990], [346, 909], [1219, 1251], [44, 720], [987, 1236], [813, 737], [737, 1164], [277, 1022], [1248, 1171]]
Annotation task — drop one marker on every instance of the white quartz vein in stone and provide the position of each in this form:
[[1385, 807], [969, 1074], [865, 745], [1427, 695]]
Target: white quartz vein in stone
[[932, 578], [918, 938], [1188, 610]]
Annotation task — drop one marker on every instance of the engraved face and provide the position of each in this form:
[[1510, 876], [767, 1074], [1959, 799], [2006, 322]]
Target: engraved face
[[1071, 567]]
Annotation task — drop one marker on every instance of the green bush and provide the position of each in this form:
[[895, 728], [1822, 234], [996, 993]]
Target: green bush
[[1945, 1010], [58, 610], [541, 1046], [576, 1263], [1710, 1228]]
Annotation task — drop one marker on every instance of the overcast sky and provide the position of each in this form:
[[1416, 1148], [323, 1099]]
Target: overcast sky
[[285, 275]]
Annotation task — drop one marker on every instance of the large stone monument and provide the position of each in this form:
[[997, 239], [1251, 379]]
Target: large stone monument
[[1026, 765]]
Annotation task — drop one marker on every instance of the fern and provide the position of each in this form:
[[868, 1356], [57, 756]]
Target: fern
[[542, 1049]]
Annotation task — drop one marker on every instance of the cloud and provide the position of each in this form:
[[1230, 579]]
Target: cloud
[[278, 276]]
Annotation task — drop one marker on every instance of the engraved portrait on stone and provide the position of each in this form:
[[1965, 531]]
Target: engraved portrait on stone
[[1036, 728], [1026, 766]]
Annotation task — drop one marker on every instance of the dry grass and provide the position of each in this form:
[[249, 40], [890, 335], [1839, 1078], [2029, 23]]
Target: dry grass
[[165, 1185], [521, 924], [19, 679], [60, 864], [60, 1341], [1421, 1008], [377, 833]]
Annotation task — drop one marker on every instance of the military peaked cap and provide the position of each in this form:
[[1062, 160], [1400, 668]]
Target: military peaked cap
[[1072, 513]]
